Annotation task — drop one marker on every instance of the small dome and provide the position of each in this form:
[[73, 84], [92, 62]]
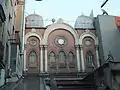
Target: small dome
[[84, 22], [60, 20], [34, 20]]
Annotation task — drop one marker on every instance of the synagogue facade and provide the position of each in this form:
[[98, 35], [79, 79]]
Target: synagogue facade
[[59, 47]]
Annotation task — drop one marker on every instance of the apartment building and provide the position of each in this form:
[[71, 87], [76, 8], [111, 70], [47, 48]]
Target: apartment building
[[10, 40]]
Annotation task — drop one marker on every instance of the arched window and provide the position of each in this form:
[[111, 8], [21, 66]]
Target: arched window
[[89, 57], [52, 57], [71, 57], [62, 57], [32, 59]]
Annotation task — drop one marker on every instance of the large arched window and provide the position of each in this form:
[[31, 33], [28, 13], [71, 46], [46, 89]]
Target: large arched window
[[62, 57], [90, 58], [52, 57], [71, 60], [71, 57], [32, 59]]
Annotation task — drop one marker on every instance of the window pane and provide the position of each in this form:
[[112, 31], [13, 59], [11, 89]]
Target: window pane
[[32, 59], [89, 57], [52, 57], [71, 57], [62, 57]]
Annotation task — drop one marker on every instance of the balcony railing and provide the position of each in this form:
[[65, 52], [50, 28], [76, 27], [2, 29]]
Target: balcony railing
[[15, 38]]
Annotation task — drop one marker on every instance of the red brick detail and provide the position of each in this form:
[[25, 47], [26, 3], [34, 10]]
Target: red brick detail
[[70, 46], [117, 21], [36, 48], [87, 48]]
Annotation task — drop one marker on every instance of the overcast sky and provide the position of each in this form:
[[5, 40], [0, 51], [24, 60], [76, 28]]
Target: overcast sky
[[69, 10]]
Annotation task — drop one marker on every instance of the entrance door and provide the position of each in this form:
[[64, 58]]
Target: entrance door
[[33, 62]]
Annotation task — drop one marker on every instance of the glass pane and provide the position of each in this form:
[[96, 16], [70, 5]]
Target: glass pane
[[71, 57], [89, 57], [32, 59], [62, 57], [52, 57]]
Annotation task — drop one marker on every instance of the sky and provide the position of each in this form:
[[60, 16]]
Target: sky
[[69, 10]]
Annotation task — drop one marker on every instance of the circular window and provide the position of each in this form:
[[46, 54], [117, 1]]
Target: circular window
[[33, 42], [61, 41], [87, 42]]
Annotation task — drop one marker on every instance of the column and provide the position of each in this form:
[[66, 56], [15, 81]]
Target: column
[[97, 55], [78, 58], [41, 59], [46, 59], [9, 55], [24, 62], [57, 63], [82, 58], [17, 58]]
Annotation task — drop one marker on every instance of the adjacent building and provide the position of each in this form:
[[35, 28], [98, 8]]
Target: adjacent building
[[107, 77], [11, 39], [2, 24]]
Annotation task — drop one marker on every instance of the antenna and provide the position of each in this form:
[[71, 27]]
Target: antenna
[[38, 0], [104, 3]]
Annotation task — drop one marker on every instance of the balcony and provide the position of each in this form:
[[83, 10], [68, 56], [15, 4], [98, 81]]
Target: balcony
[[15, 38], [2, 11]]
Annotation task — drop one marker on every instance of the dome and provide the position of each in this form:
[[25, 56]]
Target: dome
[[60, 20], [84, 22], [34, 20]]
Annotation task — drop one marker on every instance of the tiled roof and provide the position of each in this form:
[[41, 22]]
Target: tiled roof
[[85, 22], [34, 20]]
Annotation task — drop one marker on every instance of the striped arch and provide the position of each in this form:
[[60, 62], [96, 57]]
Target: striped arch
[[57, 26], [32, 34], [88, 34]]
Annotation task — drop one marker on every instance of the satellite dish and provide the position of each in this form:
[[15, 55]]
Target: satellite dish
[[104, 12]]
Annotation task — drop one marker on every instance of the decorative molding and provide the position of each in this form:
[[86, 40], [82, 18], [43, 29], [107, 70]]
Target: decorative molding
[[41, 46], [45, 46], [55, 26], [87, 31], [33, 30], [77, 46], [81, 46], [88, 34], [29, 34]]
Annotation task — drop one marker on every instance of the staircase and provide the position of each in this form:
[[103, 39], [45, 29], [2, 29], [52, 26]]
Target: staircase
[[68, 81]]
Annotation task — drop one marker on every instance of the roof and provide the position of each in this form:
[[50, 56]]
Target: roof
[[84, 22], [34, 20]]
